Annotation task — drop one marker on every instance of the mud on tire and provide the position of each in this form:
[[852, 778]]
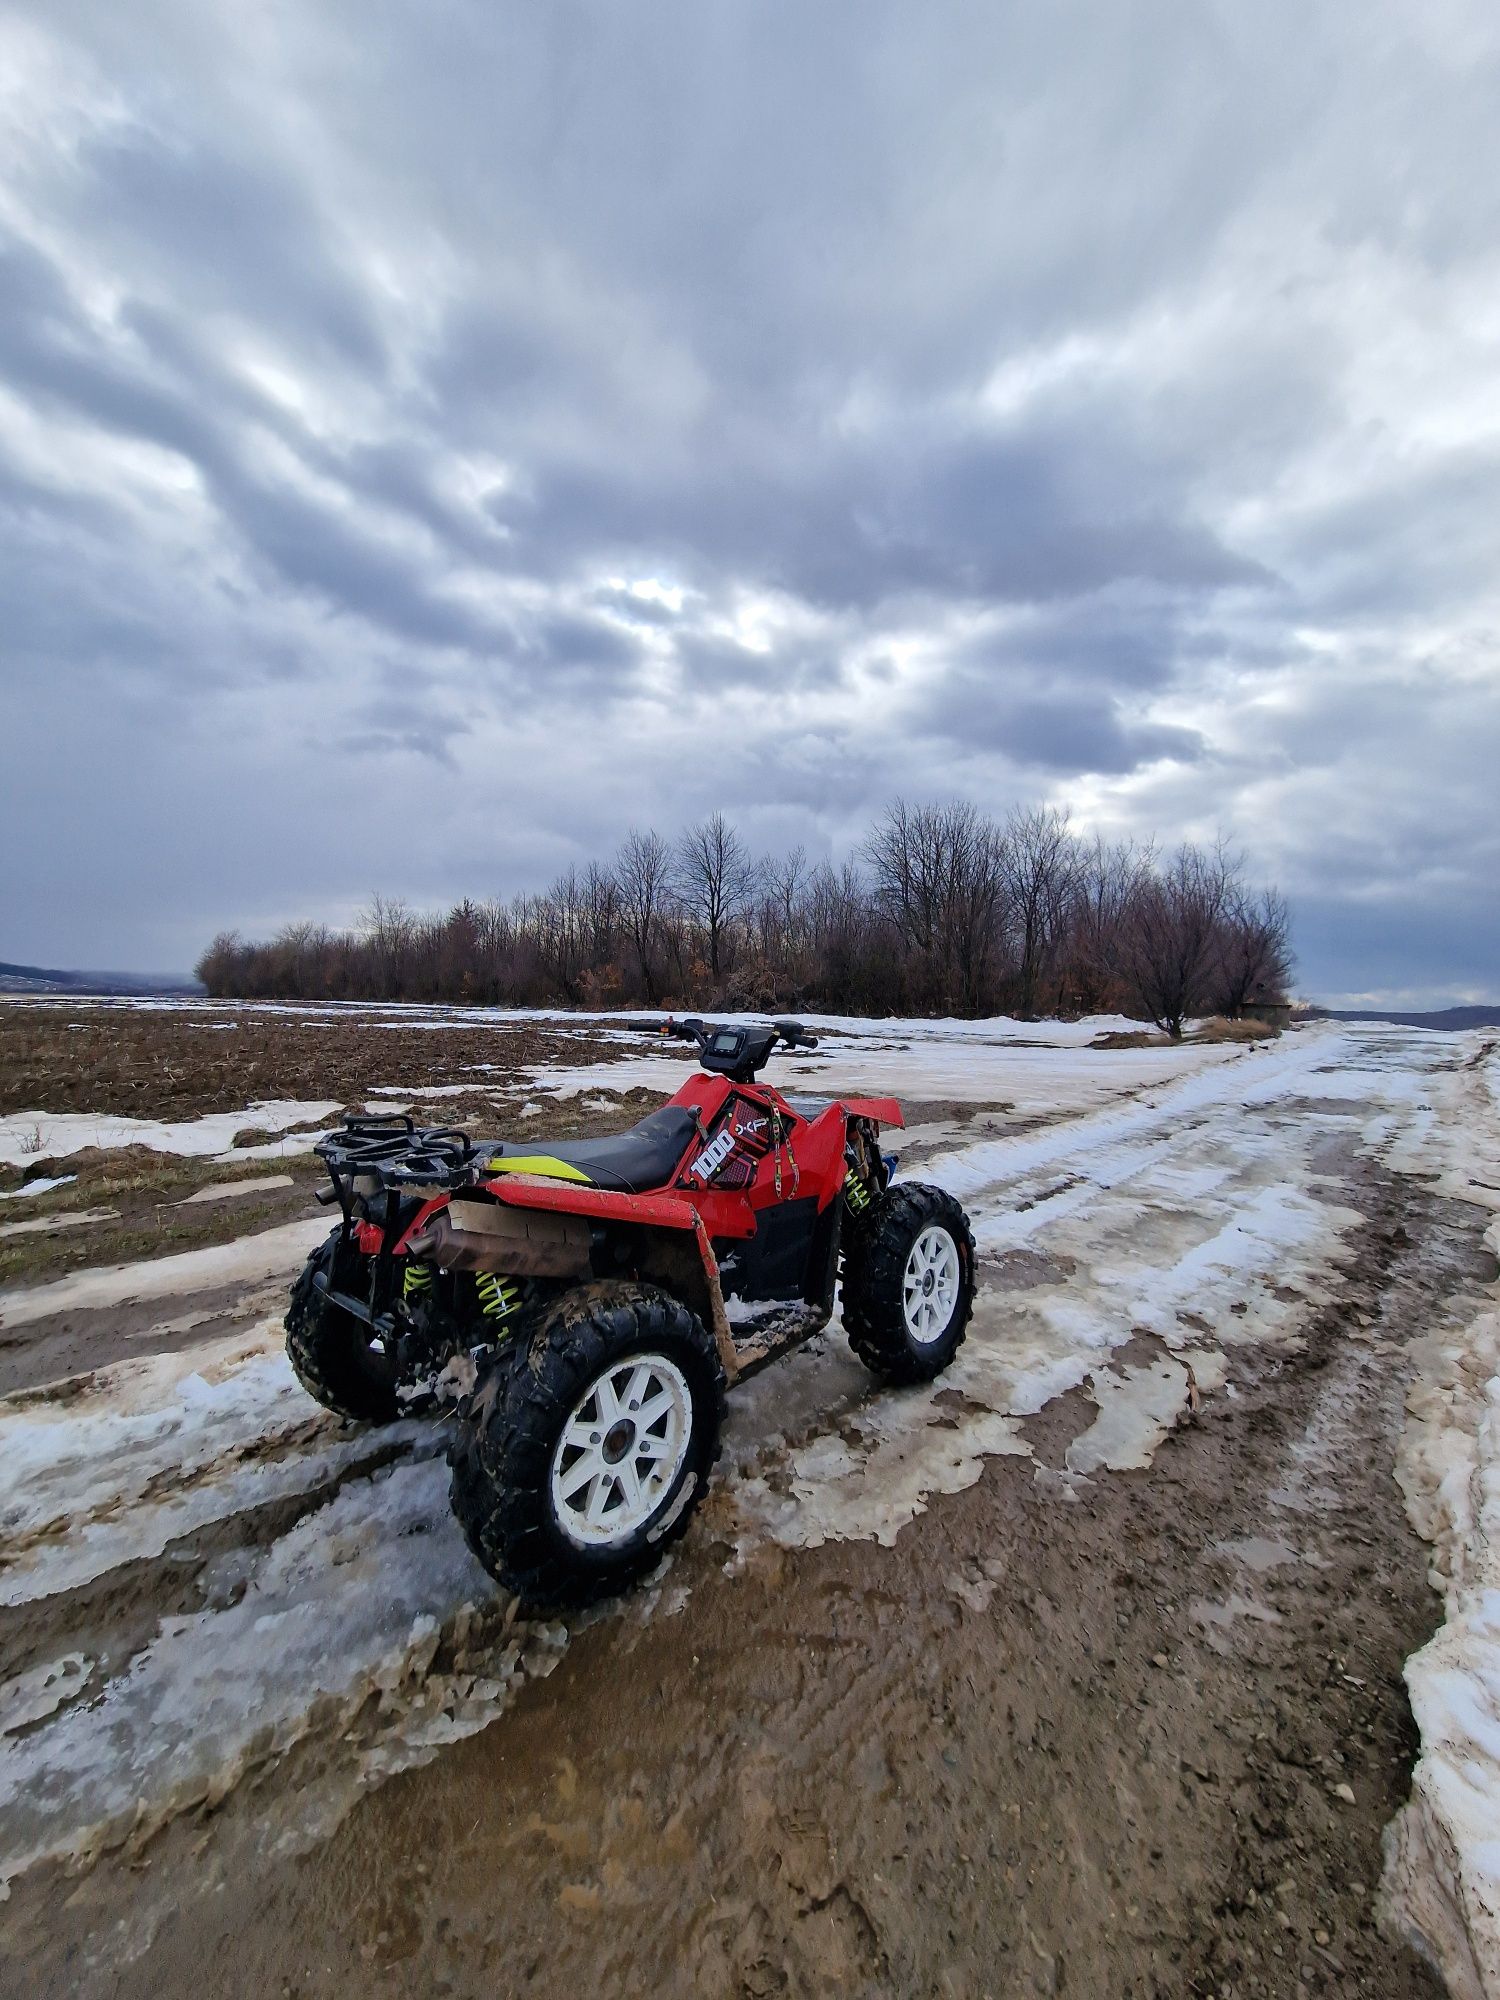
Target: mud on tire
[[903, 1225], [511, 1459], [330, 1350]]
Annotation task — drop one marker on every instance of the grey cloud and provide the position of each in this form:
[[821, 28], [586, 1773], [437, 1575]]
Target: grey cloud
[[626, 603], [1067, 733], [452, 318], [570, 643], [965, 516], [243, 233], [47, 345]]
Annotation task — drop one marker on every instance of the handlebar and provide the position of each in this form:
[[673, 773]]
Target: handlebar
[[686, 1031], [692, 1029], [795, 1035]]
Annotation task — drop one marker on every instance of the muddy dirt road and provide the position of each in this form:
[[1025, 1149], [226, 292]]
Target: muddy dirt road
[[1035, 1682]]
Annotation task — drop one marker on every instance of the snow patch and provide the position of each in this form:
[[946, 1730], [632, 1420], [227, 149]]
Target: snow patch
[[56, 1134], [1442, 1876], [231, 1688], [1137, 1407], [48, 1225], [231, 1190], [271, 1253], [40, 1691], [148, 1451], [43, 1186]]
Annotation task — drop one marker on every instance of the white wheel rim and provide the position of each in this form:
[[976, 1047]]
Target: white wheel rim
[[929, 1287], [621, 1450]]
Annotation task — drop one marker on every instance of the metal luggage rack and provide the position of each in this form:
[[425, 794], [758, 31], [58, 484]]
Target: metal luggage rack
[[399, 1152]]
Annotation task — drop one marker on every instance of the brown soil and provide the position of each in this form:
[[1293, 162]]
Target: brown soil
[[1028, 1751], [177, 1063]]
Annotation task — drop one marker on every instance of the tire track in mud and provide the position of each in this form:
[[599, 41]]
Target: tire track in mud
[[138, 1456], [1019, 1760], [1141, 1228], [849, 1460]]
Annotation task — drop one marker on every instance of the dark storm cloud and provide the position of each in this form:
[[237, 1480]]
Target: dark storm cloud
[[761, 407]]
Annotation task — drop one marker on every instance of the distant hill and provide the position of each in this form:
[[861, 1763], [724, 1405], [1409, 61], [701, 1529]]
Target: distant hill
[[1454, 1019], [51, 979]]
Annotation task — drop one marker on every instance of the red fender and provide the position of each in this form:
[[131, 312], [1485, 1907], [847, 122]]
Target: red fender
[[884, 1110]]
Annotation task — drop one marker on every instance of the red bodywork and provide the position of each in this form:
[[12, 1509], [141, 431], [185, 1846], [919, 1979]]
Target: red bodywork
[[751, 1152], [810, 1161]]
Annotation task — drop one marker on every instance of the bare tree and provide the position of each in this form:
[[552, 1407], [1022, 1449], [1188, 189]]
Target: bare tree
[[1253, 961], [221, 966], [1170, 933], [561, 923], [643, 869], [1040, 864], [939, 875], [716, 880], [779, 917], [389, 928], [949, 913], [1104, 883], [600, 895]]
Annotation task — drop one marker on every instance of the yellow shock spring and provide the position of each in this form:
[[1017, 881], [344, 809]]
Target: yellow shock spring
[[498, 1297], [856, 1193], [416, 1279]]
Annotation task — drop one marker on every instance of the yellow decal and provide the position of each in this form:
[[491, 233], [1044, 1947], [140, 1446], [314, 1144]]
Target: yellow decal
[[541, 1164]]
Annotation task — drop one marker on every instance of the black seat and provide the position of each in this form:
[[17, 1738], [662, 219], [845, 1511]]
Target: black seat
[[632, 1162]]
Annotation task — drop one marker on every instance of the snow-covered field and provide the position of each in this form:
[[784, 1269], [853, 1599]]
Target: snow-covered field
[[1142, 1215]]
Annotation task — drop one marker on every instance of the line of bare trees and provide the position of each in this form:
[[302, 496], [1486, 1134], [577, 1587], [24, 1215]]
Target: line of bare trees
[[947, 910]]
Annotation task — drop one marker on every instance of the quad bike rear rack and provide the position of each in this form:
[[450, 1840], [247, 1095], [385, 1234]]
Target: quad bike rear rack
[[407, 1162]]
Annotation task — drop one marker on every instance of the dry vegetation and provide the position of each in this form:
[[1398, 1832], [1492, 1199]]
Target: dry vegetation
[[1217, 1029]]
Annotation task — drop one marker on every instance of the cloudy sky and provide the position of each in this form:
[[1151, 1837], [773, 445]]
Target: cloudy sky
[[436, 438]]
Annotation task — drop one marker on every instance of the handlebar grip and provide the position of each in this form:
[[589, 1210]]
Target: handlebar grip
[[808, 1042]]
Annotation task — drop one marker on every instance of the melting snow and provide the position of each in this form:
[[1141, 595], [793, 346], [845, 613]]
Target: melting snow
[[1137, 1408], [379, 1566], [229, 1190], [147, 1451], [1443, 1862], [55, 1134], [270, 1254], [1164, 1193], [48, 1225]]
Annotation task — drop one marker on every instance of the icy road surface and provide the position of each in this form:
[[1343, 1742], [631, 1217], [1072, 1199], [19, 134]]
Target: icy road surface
[[1168, 1203]]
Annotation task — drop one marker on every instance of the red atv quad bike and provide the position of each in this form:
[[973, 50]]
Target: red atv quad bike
[[600, 1295]]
